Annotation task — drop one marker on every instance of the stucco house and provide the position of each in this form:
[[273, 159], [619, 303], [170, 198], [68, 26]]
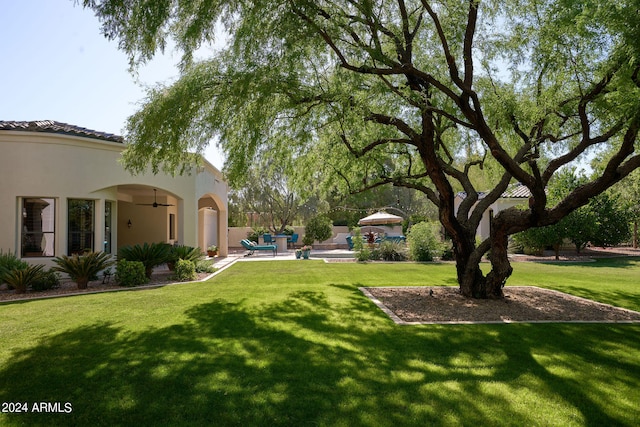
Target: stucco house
[[64, 191], [516, 194]]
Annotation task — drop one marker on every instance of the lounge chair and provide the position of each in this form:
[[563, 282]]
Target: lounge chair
[[252, 247]]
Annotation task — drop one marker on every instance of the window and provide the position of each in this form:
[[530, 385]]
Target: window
[[107, 226], [80, 226], [172, 226], [38, 227]]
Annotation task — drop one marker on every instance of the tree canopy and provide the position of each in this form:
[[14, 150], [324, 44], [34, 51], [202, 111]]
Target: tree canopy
[[414, 93]]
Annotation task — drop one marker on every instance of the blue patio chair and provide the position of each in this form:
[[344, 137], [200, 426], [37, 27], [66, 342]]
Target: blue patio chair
[[293, 239], [268, 239], [350, 242]]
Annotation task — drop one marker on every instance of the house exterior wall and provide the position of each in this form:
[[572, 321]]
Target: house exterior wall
[[484, 228], [62, 167]]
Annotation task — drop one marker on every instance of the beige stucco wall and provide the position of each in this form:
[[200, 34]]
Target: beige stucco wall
[[484, 228], [40, 164]]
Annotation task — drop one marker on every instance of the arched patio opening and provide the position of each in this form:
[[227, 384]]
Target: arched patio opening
[[147, 214], [212, 220]]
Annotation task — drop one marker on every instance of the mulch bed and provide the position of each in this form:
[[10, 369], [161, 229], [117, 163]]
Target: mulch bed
[[67, 287], [445, 304]]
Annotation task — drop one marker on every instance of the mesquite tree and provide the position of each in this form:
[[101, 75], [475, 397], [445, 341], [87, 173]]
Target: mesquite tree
[[421, 94]]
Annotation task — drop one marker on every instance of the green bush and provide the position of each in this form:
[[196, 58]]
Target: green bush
[[83, 268], [393, 251], [151, 255], [205, 266], [185, 270], [130, 273], [256, 232], [185, 252], [318, 228], [424, 241], [362, 252], [9, 262], [21, 278], [49, 280], [447, 253]]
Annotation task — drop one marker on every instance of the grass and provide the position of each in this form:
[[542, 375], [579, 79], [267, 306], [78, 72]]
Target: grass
[[295, 343]]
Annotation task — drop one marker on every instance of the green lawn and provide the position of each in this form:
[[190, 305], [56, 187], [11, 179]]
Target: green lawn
[[295, 343]]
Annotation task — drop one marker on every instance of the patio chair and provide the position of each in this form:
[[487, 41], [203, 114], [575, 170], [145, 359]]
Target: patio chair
[[252, 247], [292, 240], [268, 240], [350, 242]]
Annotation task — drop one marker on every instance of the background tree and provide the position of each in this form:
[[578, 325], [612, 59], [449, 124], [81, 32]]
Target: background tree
[[604, 221], [536, 240], [267, 194], [417, 94], [611, 220], [318, 228], [411, 205], [627, 194]]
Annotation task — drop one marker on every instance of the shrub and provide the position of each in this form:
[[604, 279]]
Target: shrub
[[185, 270], [205, 266], [130, 273], [49, 280], [9, 262], [151, 255], [21, 278], [83, 268], [424, 241], [185, 252], [256, 232], [393, 251], [318, 228], [362, 253], [447, 253]]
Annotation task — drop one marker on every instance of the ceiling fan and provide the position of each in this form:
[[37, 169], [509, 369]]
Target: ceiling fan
[[155, 203]]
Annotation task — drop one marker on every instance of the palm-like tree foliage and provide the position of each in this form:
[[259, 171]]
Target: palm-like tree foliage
[[22, 278], [82, 268], [151, 255], [9, 262], [187, 253]]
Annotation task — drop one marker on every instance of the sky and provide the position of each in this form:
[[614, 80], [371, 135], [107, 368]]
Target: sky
[[56, 65]]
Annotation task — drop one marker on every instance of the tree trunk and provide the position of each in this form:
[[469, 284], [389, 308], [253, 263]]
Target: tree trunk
[[500, 266], [82, 282], [473, 283]]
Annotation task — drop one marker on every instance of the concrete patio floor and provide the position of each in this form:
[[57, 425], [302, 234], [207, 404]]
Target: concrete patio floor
[[237, 254]]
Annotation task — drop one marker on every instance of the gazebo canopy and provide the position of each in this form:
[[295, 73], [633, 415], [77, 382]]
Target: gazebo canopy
[[380, 218]]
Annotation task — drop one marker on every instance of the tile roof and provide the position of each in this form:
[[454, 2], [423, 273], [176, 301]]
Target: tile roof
[[50, 126], [515, 191]]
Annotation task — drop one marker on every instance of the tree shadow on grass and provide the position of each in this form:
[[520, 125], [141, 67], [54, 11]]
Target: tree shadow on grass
[[310, 359]]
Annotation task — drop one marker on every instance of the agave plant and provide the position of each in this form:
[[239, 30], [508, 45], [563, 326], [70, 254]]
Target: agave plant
[[82, 268], [151, 255], [21, 278]]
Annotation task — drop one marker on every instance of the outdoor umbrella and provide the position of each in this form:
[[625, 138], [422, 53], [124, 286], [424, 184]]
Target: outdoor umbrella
[[380, 218]]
